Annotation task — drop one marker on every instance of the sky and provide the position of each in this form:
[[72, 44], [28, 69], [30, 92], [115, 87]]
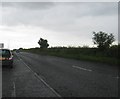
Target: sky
[[22, 24]]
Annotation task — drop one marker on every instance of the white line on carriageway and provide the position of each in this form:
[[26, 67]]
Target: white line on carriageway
[[81, 68], [14, 90], [78, 67], [58, 95]]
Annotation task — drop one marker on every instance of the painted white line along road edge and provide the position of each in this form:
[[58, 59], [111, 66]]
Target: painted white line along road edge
[[41, 79], [81, 68], [14, 91]]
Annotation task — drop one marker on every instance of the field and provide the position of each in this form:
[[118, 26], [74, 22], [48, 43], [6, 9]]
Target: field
[[108, 56]]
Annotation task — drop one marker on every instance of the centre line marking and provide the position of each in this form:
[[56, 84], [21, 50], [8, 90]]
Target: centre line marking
[[81, 68], [117, 77], [14, 91]]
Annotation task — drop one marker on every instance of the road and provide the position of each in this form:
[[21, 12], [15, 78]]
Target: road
[[48, 76], [0, 80]]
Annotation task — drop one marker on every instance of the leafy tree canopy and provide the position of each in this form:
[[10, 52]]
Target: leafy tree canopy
[[103, 40], [43, 43]]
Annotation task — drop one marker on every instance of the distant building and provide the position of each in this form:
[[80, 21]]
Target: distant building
[[1, 45]]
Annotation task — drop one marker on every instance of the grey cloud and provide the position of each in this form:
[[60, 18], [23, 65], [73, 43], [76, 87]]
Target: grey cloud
[[61, 17], [61, 23], [97, 9], [28, 5], [91, 8]]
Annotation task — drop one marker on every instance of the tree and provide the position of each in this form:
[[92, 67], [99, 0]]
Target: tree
[[103, 40], [43, 43]]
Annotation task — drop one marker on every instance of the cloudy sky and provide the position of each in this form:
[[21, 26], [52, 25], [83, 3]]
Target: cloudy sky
[[61, 23]]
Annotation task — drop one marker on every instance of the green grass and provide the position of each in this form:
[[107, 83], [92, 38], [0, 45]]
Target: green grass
[[87, 54]]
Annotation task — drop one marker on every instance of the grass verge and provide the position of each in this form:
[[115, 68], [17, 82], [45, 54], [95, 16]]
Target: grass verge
[[86, 56]]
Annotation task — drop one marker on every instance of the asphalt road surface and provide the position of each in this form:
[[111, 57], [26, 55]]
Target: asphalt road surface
[[0, 80], [48, 76]]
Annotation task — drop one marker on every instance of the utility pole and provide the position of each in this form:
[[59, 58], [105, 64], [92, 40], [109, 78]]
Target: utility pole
[[1, 45]]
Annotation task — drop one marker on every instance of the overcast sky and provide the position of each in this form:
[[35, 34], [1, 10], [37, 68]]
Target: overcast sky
[[61, 23]]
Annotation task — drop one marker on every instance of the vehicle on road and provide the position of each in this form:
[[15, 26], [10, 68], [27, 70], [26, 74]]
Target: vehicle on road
[[6, 57], [17, 51]]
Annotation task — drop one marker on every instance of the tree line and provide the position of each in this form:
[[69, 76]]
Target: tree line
[[101, 39]]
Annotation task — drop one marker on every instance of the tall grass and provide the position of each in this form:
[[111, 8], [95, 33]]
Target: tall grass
[[109, 56]]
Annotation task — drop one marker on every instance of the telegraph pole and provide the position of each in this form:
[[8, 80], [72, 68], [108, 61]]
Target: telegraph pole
[[1, 45]]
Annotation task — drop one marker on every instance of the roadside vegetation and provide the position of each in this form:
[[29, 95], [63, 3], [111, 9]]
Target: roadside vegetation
[[109, 56], [105, 52]]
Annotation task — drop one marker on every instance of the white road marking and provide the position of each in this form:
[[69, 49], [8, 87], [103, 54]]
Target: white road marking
[[47, 85], [41, 79], [117, 77], [81, 68], [14, 90]]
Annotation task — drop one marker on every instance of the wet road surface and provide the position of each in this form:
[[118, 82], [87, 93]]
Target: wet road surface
[[48, 76]]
